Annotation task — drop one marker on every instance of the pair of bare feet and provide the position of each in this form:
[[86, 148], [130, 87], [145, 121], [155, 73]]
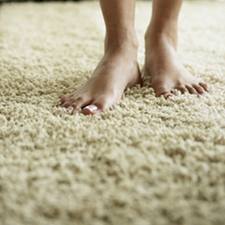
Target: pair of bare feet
[[119, 70]]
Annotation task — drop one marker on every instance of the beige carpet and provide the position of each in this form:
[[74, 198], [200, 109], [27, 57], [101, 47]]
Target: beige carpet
[[147, 162]]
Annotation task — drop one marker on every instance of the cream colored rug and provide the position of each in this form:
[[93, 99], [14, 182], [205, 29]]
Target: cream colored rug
[[147, 162]]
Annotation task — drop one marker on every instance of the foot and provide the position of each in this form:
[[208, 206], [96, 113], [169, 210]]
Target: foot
[[116, 71], [164, 69]]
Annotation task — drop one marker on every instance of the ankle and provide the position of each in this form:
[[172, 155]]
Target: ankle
[[155, 35], [122, 42]]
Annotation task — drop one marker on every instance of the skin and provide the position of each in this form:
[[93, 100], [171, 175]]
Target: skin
[[118, 68], [161, 61]]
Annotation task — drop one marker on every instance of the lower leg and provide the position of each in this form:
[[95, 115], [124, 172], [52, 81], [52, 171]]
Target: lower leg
[[118, 68], [162, 63], [164, 20], [119, 22]]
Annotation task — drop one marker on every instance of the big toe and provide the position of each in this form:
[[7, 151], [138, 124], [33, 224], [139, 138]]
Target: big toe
[[99, 105], [91, 109]]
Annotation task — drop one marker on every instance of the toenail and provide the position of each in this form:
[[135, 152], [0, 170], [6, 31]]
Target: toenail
[[92, 108]]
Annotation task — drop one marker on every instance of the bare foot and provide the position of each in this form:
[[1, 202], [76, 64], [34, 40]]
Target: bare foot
[[116, 71], [164, 69]]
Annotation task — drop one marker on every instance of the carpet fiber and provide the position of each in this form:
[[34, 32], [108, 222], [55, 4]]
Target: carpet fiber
[[148, 161]]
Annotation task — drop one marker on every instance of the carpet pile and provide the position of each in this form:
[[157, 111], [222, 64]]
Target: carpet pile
[[149, 161]]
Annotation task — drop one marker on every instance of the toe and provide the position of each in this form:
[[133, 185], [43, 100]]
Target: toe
[[100, 104], [90, 109], [66, 101], [182, 89], [167, 95], [62, 99], [191, 90], [198, 88], [204, 85], [67, 104], [162, 91], [79, 103]]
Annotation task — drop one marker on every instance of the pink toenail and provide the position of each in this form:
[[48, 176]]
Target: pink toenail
[[92, 108]]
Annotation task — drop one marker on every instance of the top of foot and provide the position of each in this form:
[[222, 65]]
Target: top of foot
[[105, 88], [167, 73]]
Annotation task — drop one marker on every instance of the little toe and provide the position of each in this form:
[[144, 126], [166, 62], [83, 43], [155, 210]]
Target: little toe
[[204, 85], [199, 89]]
